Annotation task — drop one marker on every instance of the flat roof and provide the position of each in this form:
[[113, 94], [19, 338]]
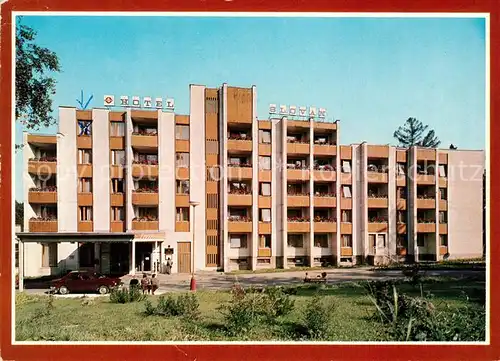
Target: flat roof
[[74, 235]]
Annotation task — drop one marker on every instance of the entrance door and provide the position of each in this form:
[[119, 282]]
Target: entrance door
[[184, 257]]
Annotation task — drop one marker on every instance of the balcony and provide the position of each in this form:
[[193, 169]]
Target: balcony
[[326, 200], [265, 202], [401, 203], [144, 225], [117, 226], [265, 149], [116, 143], [401, 251], [376, 177], [426, 179], [426, 226], [378, 202], [182, 146], [443, 250], [264, 227], [42, 166], [46, 195], [443, 205], [84, 170], [85, 226], [144, 170], [40, 140], [116, 171], [345, 203], [117, 199], [264, 252], [298, 174], [239, 199], [345, 251], [426, 203], [265, 175], [401, 228], [144, 141], [378, 151], [324, 125], [85, 199], [298, 200], [345, 178], [325, 227], [298, 148], [145, 198], [182, 200], [400, 180], [299, 124], [345, 228], [84, 142], [325, 149], [243, 225], [302, 226], [443, 228], [326, 174], [239, 145], [42, 225], [377, 226], [182, 226], [239, 172]]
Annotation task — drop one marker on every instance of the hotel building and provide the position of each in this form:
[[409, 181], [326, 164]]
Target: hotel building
[[112, 191]]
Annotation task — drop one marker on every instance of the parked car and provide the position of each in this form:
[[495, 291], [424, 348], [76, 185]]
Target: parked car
[[84, 281]]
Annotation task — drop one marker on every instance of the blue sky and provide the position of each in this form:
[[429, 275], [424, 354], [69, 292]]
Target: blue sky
[[371, 73]]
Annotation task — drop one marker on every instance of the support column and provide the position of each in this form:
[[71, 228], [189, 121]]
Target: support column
[[161, 258], [132, 261], [21, 266]]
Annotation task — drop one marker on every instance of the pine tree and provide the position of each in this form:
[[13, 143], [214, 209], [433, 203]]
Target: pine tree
[[413, 133]]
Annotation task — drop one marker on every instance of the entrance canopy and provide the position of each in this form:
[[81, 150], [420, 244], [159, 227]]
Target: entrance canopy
[[48, 237]]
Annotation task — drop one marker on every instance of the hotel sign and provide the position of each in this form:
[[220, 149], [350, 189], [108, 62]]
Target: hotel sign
[[310, 112], [136, 102]]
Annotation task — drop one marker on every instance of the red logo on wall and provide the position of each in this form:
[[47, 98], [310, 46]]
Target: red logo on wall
[[108, 100]]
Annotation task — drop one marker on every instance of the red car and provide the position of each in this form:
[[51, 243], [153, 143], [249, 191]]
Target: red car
[[84, 281]]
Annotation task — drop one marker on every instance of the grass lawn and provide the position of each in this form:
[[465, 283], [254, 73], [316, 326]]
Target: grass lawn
[[98, 319]]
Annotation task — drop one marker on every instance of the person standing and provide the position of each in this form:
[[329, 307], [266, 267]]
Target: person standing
[[145, 283], [155, 283], [169, 266]]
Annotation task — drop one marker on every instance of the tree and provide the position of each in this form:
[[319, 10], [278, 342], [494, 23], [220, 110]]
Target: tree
[[412, 133], [19, 213], [35, 85]]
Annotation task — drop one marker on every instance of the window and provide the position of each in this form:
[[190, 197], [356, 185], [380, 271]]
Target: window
[[182, 160], [182, 214], [295, 241], [265, 215], [442, 171], [321, 240], [401, 169], [117, 129], [371, 242], [85, 214], [48, 212], [118, 157], [265, 241], [85, 185], [86, 255], [401, 192], [117, 214], [401, 215], [443, 217], [381, 240], [182, 132], [346, 166], [49, 255], [17, 255], [346, 216], [238, 241], [84, 156], [265, 163], [151, 213], [443, 194], [182, 187], [84, 128], [443, 240], [401, 241], [117, 185], [264, 136], [346, 191], [347, 240], [265, 189], [420, 240]]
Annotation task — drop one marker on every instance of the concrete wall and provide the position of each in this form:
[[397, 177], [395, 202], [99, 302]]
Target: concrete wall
[[465, 202], [276, 214], [255, 181], [392, 210], [197, 171], [28, 181], [100, 170], [128, 180], [67, 180]]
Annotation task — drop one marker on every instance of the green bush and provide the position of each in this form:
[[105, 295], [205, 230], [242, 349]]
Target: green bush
[[317, 316], [277, 302], [186, 305], [126, 295]]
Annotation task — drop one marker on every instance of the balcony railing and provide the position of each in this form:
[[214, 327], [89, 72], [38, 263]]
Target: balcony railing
[[239, 137], [377, 168], [325, 167], [239, 219], [146, 133], [297, 166], [240, 165], [298, 219], [44, 159], [43, 224], [325, 219], [379, 219], [145, 162], [239, 191]]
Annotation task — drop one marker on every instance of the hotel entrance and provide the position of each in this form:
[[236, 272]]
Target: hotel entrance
[[143, 256]]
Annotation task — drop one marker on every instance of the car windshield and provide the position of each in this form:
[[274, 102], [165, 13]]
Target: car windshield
[[98, 275]]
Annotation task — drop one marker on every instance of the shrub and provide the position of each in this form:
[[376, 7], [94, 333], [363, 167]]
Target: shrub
[[317, 316], [186, 305], [242, 313], [149, 308], [126, 295], [277, 302], [167, 306]]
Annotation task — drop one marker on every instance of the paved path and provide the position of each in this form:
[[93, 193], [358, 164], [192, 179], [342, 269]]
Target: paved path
[[221, 281]]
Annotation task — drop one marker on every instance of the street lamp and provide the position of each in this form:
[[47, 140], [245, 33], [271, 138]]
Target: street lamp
[[193, 281]]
